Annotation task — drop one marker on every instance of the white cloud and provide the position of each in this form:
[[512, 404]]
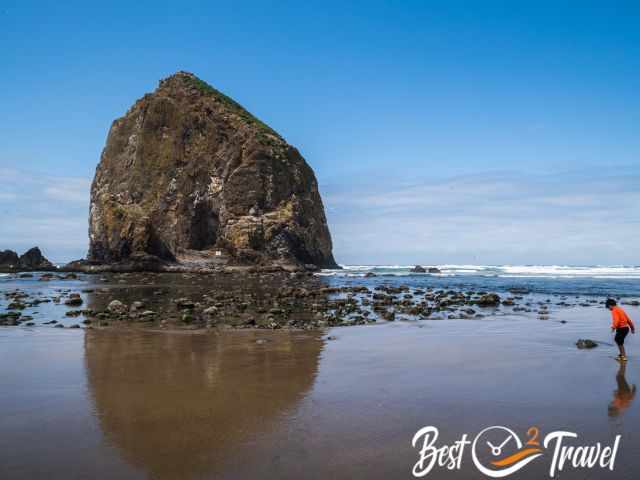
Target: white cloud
[[70, 190], [44, 210], [489, 218]]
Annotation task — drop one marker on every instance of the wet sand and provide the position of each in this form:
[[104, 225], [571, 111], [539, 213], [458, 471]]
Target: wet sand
[[286, 404]]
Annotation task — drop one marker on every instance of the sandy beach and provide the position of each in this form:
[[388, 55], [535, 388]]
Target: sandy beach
[[329, 403]]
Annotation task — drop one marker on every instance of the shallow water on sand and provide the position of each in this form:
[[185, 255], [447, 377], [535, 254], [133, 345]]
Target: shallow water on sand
[[260, 404]]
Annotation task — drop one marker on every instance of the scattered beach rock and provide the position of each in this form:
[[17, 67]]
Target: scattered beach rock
[[74, 300], [519, 290], [16, 305], [116, 307], [184, 303], [489, 300], [586, 343], [136, 306]]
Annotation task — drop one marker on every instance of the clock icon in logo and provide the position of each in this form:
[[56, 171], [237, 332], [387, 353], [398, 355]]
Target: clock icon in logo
[[498, 451]]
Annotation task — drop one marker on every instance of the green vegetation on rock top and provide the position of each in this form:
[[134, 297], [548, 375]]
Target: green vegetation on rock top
[[230, 103]]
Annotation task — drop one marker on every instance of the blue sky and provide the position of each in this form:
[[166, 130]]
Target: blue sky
[[440, 132]]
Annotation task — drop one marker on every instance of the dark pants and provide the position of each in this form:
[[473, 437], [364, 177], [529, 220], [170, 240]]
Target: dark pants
[[621, 333]]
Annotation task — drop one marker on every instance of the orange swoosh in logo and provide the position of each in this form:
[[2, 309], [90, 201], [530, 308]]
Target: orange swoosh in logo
[[527, 452]]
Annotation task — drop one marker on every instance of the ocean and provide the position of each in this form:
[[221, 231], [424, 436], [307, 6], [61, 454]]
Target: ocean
[[596, 281]]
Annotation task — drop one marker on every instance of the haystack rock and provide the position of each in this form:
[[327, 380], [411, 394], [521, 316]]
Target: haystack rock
[[189, 176]]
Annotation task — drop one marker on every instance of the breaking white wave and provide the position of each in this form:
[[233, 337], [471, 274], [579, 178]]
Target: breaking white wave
[[505, 271]]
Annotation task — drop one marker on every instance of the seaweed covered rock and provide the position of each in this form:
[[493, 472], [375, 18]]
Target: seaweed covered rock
[[189, 175]]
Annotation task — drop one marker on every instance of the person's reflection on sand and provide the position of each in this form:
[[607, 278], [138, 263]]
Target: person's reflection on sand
[[623, 395]]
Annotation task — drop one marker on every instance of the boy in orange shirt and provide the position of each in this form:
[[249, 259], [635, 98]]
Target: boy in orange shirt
[[621, 324]]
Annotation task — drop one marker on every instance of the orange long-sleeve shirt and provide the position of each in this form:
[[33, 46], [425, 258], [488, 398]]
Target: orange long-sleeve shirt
[[620, 319]]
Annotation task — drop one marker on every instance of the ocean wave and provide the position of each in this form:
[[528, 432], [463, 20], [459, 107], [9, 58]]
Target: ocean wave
[[505, 271]]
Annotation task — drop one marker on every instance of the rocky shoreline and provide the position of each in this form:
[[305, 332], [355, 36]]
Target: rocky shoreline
[[244, 299]]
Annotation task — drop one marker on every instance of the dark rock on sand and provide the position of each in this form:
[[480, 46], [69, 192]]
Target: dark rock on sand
[[489, 300], [586, 343], [16, 305], [189, 176], [116, 307], [10, 318], [74, 300]]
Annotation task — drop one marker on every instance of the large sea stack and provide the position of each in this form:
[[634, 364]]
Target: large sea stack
[[188, 175]]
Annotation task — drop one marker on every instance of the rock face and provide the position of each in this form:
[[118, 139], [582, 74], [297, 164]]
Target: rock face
[[189, 174]]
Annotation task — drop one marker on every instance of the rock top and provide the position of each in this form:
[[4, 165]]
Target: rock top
[[189, 176]]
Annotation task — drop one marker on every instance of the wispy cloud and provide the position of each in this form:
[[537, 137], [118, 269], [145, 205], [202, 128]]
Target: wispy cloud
[[490, 218], [46, 210], [499, 217]]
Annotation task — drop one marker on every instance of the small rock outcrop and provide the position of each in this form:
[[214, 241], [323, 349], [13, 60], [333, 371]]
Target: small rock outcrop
[[8, 259], [189, 176], [418, 269], [32, 259]]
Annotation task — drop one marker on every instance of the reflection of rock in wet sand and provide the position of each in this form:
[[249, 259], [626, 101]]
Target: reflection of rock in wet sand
[[175, 404]]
